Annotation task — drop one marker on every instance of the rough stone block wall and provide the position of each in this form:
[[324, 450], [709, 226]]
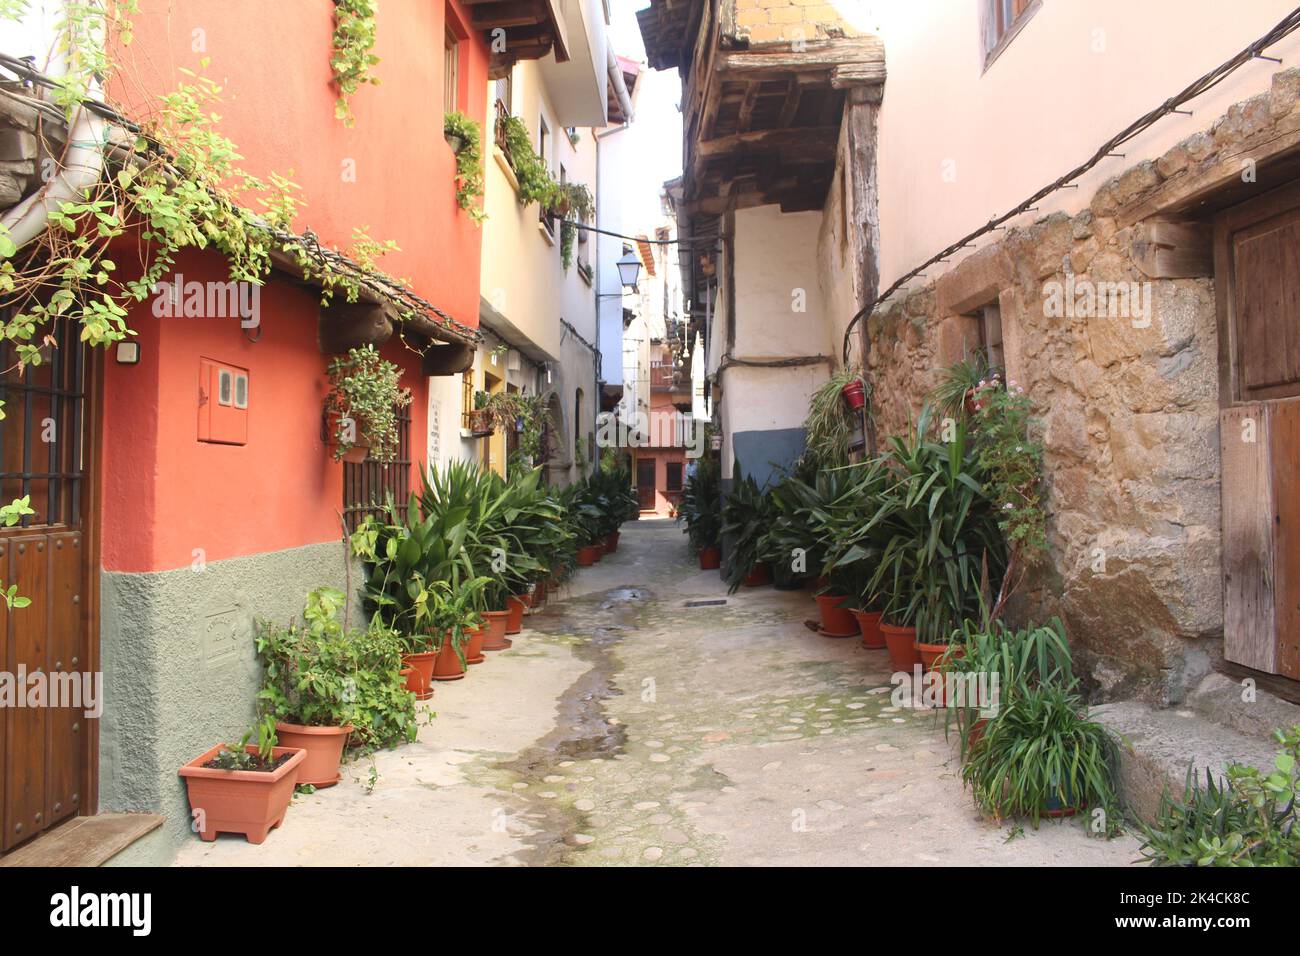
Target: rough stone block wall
[[1129, 412], [771, 21]]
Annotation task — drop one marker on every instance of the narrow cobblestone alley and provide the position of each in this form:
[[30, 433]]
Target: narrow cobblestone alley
[[624, 727]]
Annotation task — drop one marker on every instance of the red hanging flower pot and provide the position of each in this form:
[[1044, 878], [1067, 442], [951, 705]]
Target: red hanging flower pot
[[854, 394]]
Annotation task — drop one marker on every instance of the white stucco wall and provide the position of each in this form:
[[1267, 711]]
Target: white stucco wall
[[959, 145], [776, 271]]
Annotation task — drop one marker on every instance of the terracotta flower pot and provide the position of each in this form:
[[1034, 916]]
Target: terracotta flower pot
[[759, 575], [540, 592], [836, 621], [598, 550], [710, 558], [611, 541], [976, 732], [422, 681], [931, 653], [474, 650], [446, 663], [901, 642], [854, 395], [412, 678], [250, 802], [324, 747], [515, 610], [494, 631], [586, 556], [869, 625]]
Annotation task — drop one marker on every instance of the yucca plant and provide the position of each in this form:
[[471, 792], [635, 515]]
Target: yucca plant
[[942, 546], [1040, 754]]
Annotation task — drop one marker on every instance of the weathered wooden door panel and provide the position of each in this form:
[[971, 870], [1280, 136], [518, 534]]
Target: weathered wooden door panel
[[67, 724], [47, 647], [1246, 491], [1257, 280], [1261, 535], [1284, 451], [26, 745]]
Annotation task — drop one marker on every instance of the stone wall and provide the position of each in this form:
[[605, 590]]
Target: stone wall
[[1128, 407], [767, 21]]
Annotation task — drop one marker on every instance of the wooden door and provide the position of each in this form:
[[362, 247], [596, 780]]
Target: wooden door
[[47, 746], [645, 483], [1257, 273]]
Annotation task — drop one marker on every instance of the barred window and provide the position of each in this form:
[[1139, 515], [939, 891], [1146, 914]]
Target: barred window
[[368, 485]]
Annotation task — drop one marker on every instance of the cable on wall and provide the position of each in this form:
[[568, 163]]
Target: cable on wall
[[1288, 25]]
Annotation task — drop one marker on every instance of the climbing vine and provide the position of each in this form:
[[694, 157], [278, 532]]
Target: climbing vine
[[351, 59], [172, 179]]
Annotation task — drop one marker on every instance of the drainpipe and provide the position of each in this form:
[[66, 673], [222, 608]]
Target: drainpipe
[[620, 88], [83, 163]]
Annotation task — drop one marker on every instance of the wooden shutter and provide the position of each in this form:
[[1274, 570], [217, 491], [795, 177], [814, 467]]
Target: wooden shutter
[[1257, 278]]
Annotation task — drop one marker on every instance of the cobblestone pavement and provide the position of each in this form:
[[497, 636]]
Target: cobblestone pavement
[[626, 728]]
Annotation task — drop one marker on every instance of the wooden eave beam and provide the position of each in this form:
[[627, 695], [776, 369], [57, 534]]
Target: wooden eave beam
[[867, 54]]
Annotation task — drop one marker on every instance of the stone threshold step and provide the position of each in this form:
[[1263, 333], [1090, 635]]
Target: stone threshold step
[[1164, 742], [85, 841]]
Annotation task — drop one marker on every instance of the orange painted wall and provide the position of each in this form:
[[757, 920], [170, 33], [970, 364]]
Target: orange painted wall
[[272, 60], [166, 493]]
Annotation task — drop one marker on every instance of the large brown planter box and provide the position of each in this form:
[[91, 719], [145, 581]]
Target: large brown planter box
[[241, 801]]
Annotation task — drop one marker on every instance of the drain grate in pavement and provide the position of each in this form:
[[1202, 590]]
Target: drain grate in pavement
[[713, 603]]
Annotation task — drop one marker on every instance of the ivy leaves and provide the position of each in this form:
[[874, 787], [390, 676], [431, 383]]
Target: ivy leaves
[[351, 60]]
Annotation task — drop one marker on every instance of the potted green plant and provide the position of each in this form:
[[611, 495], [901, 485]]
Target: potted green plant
[[464, 136], [746, 516], [1004, 659], [832, 420], [309, 684], [571, 201], [481, 424], [942, 538], [361, 406], [1042, 756], [453, 620], [243, 788]]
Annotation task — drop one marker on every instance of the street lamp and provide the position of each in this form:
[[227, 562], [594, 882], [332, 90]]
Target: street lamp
[[629, 270]]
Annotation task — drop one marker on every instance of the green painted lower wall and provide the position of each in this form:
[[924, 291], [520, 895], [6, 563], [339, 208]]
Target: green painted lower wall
[[180, 673]]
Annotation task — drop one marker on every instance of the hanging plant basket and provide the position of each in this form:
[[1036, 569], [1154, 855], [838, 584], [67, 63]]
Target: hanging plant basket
[[455, 142], [480, 423], [855, 395]]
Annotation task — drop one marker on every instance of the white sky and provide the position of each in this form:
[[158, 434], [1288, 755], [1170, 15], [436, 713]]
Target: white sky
[[658, 120]]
